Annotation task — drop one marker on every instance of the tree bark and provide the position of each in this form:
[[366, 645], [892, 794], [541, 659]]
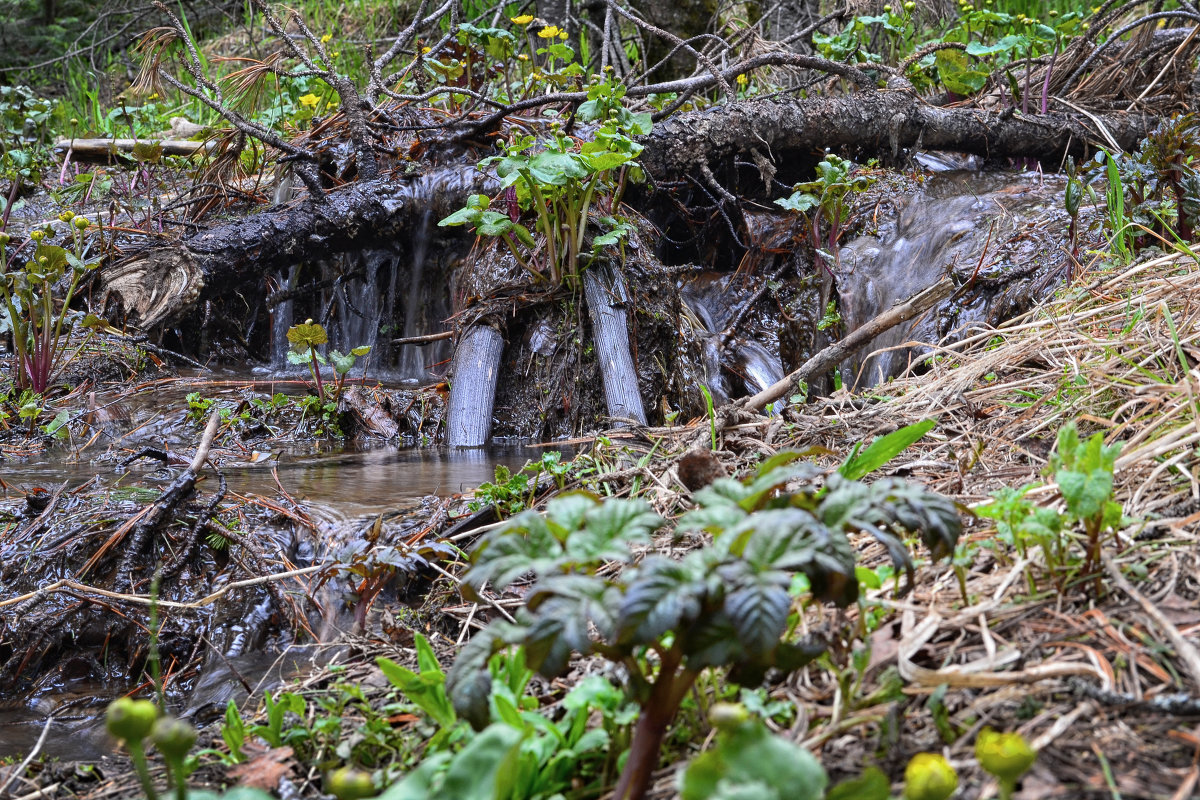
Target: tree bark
[[160, 282]]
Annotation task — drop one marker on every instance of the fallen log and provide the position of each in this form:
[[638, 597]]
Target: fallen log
[[107, 149], [160, 282]]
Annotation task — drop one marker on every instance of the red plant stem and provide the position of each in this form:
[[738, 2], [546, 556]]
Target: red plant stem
[[644, 751], [316, 371], [1049, 72]]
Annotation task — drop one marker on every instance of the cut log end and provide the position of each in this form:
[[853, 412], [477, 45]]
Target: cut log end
[[156, 286]]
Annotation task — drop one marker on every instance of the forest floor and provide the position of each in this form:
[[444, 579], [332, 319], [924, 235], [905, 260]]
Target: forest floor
[[1093, 671]]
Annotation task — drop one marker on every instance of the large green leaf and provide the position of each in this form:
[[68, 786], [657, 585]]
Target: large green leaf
[[956, 73], [758, 607], [751, 762], [610, 528], [522, 546]]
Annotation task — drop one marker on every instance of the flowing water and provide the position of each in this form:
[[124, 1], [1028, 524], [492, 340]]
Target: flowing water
[[367, 298], [971, 224]]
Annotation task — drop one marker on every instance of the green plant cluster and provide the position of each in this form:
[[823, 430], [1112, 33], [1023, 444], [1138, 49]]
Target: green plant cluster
[[512, 492], [665, 621], [40, 324], [1152, 195], [983, 40], [560, 180], [1083, 470], [827, 203]]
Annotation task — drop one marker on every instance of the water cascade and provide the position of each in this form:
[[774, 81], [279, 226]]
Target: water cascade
[[983, 228], [604, 290]]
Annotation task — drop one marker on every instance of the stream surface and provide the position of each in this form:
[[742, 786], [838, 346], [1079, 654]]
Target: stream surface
[[343, 488]]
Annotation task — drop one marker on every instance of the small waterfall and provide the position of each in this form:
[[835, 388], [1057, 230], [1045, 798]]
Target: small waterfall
[[282, 316], [412, 356], [369, 297], [944, 227], [715, 300], [364, 296]]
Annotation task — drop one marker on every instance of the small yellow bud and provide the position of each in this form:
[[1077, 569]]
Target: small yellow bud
[[81, 223], [1006, 755], [929, 776], [66, 216]]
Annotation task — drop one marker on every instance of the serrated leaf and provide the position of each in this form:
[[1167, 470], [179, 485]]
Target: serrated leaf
[[521, 546], [609, 530], [661, 595], [565, 512], [758, 607]]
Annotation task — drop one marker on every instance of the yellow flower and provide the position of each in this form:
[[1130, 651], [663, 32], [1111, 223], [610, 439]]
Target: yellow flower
[[549, 32], [522, 57], [929, 777], [1006, 755], [325, 39], [524, 19], [425, 50], [742, 79], [309, 100], [563, 34], [335, 53], [153, 96]]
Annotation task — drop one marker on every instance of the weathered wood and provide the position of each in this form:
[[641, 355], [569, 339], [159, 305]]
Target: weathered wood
[[473, 388], [104, 149]]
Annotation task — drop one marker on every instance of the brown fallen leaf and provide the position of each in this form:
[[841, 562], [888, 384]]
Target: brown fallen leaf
[[265, 767]]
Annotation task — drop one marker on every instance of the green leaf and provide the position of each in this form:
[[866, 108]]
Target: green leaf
[[871, 785], [523, 545], [883, 449], [469, 683], [342, 364], [611, 528], [427, 660], [464, 216], [307, 336], [799, 201], [752, 758], [758, 607], [427, 690], [420, 783], [661, 595], [956, 74], [557, 169], [1084, 492], [361, 350]]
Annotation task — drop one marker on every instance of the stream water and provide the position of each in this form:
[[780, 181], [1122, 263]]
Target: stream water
[[342, 489]]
